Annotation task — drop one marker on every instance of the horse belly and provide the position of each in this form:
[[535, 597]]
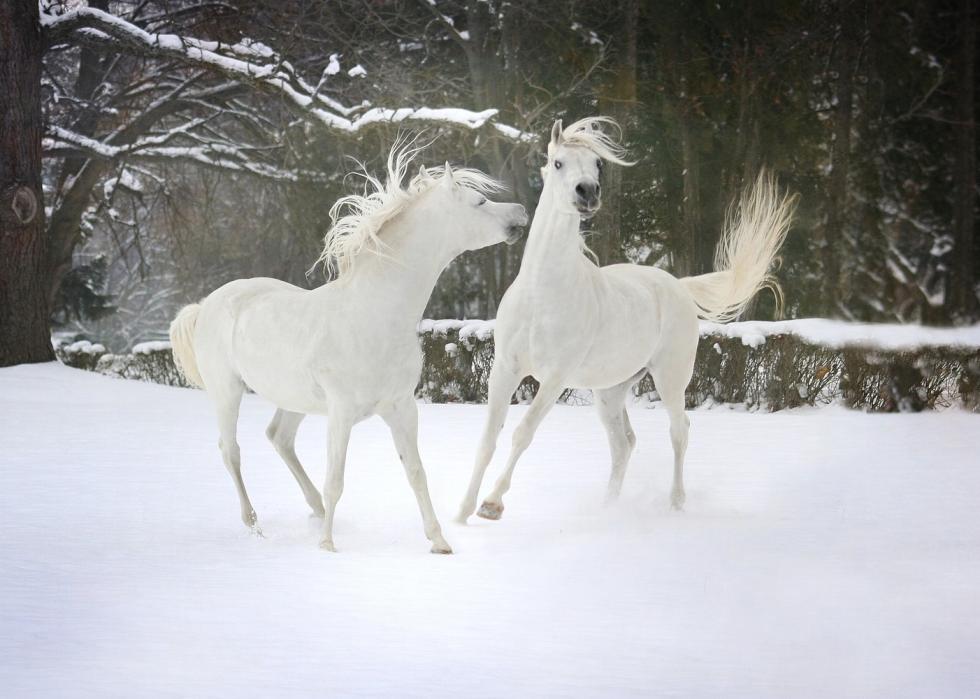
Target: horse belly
[[615, 356], [293, 388]]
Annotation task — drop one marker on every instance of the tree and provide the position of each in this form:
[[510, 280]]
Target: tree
[[23, 293], [145, 94], [964, 297]]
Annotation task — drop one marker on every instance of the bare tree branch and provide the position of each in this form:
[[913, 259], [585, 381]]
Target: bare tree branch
[[258, 65]]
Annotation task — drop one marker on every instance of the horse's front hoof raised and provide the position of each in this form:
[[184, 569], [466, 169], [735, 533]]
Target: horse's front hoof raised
[[491, 510]]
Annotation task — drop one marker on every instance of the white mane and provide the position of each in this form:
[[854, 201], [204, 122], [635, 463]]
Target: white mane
[[588, 133], [358, 219]]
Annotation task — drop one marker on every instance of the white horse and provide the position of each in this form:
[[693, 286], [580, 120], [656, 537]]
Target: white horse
[[567, 322], [348, 349]]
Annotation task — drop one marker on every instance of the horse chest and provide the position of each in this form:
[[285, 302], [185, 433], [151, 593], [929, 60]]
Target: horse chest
[[556, 341]]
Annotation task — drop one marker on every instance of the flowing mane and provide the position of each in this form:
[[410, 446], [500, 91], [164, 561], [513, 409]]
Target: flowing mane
[[357, 220], [588, 133]]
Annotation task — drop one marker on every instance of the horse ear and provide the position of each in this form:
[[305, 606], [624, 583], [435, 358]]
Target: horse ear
[[422, 172], [447, 177], [556, 130]]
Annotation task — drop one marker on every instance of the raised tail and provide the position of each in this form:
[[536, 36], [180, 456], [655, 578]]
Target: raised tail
[[753, 234], [182, 343]]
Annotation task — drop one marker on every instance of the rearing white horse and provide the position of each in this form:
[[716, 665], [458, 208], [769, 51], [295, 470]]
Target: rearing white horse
[[348, 349], [567, 322]]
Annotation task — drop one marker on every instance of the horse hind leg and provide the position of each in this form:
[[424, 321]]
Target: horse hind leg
[[672, 394], [282, 433], [622, 439], [227, 399]]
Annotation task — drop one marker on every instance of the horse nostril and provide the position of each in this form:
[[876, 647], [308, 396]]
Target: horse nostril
[[580, 190]]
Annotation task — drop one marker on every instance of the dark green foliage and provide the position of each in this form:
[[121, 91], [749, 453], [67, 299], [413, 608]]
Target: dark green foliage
[[82, 295]]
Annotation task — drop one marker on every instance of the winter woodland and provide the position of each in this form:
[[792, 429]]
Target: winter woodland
[[243, 166]]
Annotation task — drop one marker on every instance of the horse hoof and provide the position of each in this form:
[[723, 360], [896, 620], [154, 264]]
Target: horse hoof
[[441, 548], [256, 532], [677, 501], [490, 510], [327, 545]]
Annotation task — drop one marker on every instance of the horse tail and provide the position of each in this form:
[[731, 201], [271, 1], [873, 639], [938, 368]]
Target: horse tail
[[182, 343], [754, 231]]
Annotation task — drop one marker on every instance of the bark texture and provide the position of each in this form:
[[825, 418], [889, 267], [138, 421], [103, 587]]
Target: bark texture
[[24, 311]]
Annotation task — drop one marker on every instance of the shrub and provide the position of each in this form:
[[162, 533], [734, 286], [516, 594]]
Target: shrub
[[768, 371]]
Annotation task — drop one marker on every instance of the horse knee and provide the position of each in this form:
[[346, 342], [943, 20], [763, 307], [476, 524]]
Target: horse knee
[[521, 439], [230, 450], [678, 435], [678, 431], [331, 494]]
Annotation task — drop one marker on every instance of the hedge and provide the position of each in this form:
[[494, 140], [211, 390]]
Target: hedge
[[769, 371]]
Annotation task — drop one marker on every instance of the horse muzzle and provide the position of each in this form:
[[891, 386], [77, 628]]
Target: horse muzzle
[[514, 233]]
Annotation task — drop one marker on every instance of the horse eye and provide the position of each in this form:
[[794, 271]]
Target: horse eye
[[558, 165], [482, 201], [598, 164]]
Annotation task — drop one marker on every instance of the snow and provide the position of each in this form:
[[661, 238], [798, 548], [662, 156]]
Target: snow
[[836, 333], [249, 61], [823, 553], [85, 347], [357, 71], [467, 329], [151, 346], [820, 331]]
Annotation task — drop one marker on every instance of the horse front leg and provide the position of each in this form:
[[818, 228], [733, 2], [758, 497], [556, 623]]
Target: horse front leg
[[504, 380], [402, 420], [548, 393]]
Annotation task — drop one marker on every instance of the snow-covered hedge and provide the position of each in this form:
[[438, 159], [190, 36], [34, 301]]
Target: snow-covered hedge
[[766, 366], [149, 361]]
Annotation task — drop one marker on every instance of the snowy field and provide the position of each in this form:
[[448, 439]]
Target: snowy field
[[823, 553]]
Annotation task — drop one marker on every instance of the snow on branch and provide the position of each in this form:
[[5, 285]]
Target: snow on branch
[[257, 64], [227, 156]]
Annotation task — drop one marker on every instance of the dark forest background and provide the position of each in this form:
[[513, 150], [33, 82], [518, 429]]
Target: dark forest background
[[865, 108]]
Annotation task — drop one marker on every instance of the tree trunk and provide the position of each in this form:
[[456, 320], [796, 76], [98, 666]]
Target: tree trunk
[[78, 175], [688, 260], [24, 332], [840, 166], [964, 300], [617, 99]]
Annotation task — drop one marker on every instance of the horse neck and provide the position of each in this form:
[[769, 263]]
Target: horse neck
[[554, 245], [402, 275]]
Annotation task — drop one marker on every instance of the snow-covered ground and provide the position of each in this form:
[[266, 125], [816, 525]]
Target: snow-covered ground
[[823, 553]]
